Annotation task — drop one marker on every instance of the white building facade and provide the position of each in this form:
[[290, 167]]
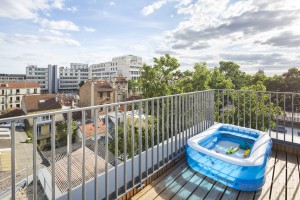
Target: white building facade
[[46, 77], [70, 77], [127, 66], [12, 77]]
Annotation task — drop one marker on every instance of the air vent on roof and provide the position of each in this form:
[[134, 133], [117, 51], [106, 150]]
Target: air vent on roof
[[42, 101]]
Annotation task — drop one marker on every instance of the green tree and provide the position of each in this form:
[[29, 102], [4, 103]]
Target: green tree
[[201, 77], [219, 81], [154, 79], [233, 72], [62, 131]]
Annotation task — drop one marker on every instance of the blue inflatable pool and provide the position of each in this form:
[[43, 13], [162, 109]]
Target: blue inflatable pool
[[232, 155]]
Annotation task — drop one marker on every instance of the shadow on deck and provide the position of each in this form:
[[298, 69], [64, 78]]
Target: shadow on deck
[[182, 182]]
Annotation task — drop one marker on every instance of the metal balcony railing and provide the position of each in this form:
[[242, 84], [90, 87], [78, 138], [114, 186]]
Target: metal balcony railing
[[148, 135]]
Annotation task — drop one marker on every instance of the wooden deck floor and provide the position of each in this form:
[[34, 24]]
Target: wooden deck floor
[[181, 182]]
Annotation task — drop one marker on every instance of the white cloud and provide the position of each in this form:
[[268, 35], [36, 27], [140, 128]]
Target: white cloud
[[112, 3], [58, 4], [155, 6], [88, 29], [25, 9], [20, 39], [72, 9], [58, 25]]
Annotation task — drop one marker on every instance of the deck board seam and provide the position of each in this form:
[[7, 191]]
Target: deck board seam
[[173, 182], [271, 187]]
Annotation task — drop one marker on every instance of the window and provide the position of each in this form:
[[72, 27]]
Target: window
[[2, 92], [28, 91], [39, 130], [17, 91], [18, 105]]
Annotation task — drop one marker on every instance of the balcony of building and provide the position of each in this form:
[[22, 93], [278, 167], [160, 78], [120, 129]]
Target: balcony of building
[[142, 155]]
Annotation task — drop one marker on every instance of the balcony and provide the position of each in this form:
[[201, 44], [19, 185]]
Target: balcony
[[142, 155]]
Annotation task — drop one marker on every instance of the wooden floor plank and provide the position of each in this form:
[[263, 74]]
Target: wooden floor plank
[[246, 195], [160, 178], [278, 186], [293, 183], [230, 194], [159, 187], [216, 191], [202, 189], [264, 193], [172, 189], [189, 187]]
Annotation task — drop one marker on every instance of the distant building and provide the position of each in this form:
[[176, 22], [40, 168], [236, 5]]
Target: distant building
[[46, 77], [120, 87], [11, 93], [95, 93], [12, 77], [127, 66], [34, 104], [70, 78]]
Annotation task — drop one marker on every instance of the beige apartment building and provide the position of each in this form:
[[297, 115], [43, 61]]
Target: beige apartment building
[[99, 92], [11, 93]]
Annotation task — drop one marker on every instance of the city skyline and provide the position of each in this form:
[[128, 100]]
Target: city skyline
[[256, 35]]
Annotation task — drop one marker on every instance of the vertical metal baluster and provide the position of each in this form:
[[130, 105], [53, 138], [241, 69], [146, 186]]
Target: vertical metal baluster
[[132, 143], [96, 111], [140, 142], [116, 151], [189, 114], [228, 106], [125, 147], [157, 133], [239, 94], [146, 139], [218, 107], [83, 154], [223, 106], [270, 103], [106, 154], [172, 127], [194, 114], [277, 115], [256, 110], [250, 109], [176, 124], [53, 156], [205, 112], [263, 111], [168, 130], [186, 117], [182, 124], [69, 153], [13, 160], [34, 158], [244, 108], [284, 98], [179, 124], [163, 130], [152, 133], [233, 108], [293, 118]]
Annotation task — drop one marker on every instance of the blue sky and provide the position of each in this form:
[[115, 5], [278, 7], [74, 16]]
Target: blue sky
[[253, 34]]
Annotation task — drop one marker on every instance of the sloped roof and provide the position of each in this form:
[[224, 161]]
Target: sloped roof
[[120, 79], [102, 86], [20, 85], [41, 102], [13, 113], [89, 128], [61, 171]]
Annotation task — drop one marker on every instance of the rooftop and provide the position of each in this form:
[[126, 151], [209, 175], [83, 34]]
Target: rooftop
[[42, 102], [182, 182], [19, 85]]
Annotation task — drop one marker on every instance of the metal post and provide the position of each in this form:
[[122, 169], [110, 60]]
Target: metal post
[[69, 153], [270, 103], [223, 106], [172, 129], [140, 142], [256, 110], [168, 128], [277, 115], [96, 111], [53, 156], [233, 108], [250, 109], [239, 94], [125, 147], [152, 133], [146, 142], [116, 151], [106, 154], [157, 133], [83, 154], [244, 108], [132, 143], [284, 115], [13, 160], [292, 118], [263, 111], [163, 130], [34, 141]]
